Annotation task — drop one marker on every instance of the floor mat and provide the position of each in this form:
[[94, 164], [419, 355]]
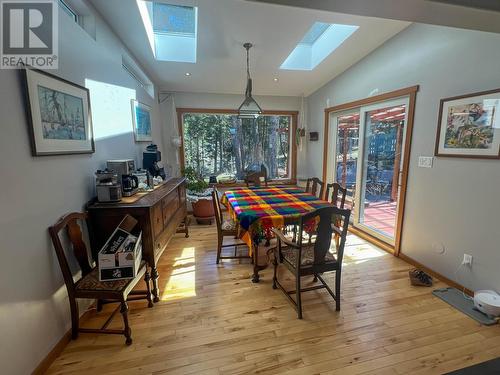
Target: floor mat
[[486, 368], [455, 298]]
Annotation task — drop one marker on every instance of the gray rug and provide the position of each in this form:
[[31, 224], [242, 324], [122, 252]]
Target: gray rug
[[486, 368], [455, 298]]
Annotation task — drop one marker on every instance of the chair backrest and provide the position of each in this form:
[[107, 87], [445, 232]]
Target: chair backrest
[[338, 194], [71, 224], [325, 220], [255, 179], [217, 209], [315, 186]]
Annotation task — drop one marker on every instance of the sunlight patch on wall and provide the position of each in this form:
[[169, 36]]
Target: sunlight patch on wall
[[111, 108]]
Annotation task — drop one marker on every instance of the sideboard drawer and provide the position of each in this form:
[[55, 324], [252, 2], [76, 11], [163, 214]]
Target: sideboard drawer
[[157, 219], [169, 205]]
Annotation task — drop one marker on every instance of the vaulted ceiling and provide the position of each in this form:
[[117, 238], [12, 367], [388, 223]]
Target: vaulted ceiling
[[223, 27]]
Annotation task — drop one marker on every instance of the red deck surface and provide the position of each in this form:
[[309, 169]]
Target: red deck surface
[[381, 216]]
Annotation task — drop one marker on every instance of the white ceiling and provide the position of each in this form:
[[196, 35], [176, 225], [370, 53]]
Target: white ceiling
[[223, 27]]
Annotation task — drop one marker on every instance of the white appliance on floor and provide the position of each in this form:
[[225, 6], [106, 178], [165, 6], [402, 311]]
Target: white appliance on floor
[[488, 302]]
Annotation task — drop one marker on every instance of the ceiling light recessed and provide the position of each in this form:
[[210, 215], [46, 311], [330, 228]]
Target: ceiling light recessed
[[275, 79], [187, 74]]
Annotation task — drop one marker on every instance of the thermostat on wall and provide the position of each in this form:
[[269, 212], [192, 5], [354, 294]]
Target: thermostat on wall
[[313, 136]]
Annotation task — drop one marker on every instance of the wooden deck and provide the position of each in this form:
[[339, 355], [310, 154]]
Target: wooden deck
[[213, 320]]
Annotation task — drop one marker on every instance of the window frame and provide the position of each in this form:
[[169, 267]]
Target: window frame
[[292, 180]]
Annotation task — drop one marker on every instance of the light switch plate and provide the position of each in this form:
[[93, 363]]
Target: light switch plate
[[425, 161]]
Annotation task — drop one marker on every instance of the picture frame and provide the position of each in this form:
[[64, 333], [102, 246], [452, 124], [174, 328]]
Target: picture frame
[[469, 126], [141, 115], [59, 115]]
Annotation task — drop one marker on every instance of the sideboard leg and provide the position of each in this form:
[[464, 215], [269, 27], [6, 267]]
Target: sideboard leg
[[154, 278]]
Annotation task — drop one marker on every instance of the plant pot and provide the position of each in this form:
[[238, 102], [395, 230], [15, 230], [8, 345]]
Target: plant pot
[[203, 211]]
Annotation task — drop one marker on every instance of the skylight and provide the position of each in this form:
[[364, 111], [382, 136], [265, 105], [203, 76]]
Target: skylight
[[319, 42], [171, 29]]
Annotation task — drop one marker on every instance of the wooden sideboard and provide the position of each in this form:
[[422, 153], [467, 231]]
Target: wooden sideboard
[[159, 212]]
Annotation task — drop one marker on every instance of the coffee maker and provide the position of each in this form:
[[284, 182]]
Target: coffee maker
[[150, 159], [130, 184], [124, 169], [107, 186]]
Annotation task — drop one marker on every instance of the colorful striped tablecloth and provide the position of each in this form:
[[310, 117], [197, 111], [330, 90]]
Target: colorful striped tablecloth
[[257, 210]]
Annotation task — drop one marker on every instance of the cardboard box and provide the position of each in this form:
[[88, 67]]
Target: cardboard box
[[121, 255]]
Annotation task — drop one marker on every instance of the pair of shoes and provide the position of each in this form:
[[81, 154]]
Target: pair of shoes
[[419, 278]]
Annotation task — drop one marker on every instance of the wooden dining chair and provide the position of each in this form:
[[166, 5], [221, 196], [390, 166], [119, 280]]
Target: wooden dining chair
[[88, 285], [315, 186], [338, 196], [256, 179], [225, 228], [302, 258]]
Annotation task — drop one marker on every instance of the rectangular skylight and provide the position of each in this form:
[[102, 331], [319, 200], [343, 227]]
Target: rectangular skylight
[[172, 30], [319, 42]]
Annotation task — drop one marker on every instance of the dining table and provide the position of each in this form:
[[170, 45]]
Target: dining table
[[257, 210]]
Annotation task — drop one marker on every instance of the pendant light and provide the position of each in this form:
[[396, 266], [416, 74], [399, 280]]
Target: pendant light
[[249, 108]]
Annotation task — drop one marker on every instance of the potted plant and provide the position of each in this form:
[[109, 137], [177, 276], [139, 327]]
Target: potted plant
[[200, 196]]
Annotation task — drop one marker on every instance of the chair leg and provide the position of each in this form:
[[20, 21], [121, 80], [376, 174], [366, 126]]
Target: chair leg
[[75, 318], [219, 248], [275, 264], [315, 278], [98, 305], [299, 299], [337, 241], [147, 280], [337, 290], [126, 331]]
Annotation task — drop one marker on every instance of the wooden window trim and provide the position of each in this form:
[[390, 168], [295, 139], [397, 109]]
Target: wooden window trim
[[410, 92], [293, 114]]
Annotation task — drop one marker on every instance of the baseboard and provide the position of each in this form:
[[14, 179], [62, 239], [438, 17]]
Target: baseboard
[[44, 365], [390, 249], [435, 274]]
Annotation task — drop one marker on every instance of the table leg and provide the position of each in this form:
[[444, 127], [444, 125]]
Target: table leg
[[256, 267], [154, 279]]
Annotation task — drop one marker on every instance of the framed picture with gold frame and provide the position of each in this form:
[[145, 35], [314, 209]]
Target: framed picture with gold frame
[[469, 126]]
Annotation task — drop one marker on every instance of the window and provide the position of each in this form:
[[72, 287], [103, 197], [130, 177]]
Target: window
[[221, 145], [172, 30], [319, 42], [68, 10]]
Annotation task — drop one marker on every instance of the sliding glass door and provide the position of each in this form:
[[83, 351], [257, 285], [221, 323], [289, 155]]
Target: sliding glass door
[[346, 153], [367, 159]]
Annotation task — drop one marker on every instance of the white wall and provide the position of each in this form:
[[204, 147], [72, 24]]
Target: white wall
[[456, 202], [36, 191], [214, 101]]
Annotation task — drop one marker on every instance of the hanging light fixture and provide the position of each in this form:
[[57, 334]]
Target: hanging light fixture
[[249, 108]]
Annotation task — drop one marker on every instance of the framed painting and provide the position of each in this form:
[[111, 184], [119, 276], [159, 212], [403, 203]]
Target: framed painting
[[59, 117], [141, 114], [469, 126]]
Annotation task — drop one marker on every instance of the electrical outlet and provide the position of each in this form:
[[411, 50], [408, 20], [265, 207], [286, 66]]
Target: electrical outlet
[[425, 161], [467, 260]]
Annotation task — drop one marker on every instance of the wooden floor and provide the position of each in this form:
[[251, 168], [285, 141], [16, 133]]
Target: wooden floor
[[213, 320]]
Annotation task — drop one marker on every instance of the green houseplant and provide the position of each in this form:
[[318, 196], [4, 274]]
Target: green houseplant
[[200, 196]]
